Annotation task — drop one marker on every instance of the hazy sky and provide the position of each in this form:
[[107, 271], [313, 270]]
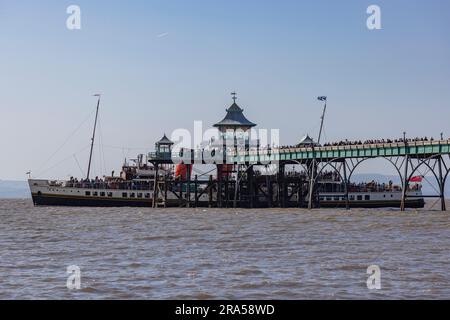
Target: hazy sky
[[163, 64]]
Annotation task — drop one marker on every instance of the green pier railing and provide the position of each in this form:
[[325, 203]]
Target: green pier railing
[[414, 149]]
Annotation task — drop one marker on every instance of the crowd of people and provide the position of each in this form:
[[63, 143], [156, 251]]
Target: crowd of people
[[377, 141], [325, 176], [347, 142], [99, 183], [329, 176], [372, 186]]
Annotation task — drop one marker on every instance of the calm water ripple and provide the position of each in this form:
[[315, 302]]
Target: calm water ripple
[[129, 253]]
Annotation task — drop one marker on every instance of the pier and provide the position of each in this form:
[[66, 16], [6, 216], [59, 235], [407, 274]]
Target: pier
[[237, 184]]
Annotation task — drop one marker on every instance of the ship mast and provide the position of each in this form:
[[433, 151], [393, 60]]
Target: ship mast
[[93, 135]]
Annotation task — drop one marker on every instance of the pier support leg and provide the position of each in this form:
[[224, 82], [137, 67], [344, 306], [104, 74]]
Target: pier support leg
[[181, 191], [165, 192], [441, 185], [196, 191], [188, 185], [210, 191], [236, 186], [256, 187], [219, 186], [269, 192], [404, 184], [227, 194], [346, 182], [250, 187], [311, 184], [281, 186], [155, 187]]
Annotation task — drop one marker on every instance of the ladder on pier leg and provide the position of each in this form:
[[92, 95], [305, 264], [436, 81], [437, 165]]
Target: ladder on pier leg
[[160, 194]]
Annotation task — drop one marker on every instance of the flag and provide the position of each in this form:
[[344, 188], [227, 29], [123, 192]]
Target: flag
[[322, 98], [416, 179]]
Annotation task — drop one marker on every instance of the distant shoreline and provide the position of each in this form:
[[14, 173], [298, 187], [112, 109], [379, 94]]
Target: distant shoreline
[[14, 189]]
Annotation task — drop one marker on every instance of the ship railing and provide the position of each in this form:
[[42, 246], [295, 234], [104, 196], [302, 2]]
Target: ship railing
[[109, 186]]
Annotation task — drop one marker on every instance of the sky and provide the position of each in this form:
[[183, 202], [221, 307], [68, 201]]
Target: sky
[[161, 65]]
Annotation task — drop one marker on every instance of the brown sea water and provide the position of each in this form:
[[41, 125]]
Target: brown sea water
[[145, 253]]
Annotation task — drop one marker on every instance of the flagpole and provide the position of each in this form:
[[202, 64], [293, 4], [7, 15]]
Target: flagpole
[[322, 119], [312, 177]]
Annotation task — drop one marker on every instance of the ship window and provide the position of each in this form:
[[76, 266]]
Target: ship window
[[392, 195], [139, 195], [328, 198], [132, 195], [109, 194], [147, 195], [322, 198], [384, 196], [124, 195], [367, 197], [95, 194], [359, 198], [88, 193], [102, 194], [352, 197], [336, 198]]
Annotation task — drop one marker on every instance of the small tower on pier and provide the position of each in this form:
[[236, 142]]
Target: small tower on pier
[[234, 126], [163, 148], [161, 158], [307, 141]]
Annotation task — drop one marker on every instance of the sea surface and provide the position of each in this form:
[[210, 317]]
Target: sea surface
[[145, 253]]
